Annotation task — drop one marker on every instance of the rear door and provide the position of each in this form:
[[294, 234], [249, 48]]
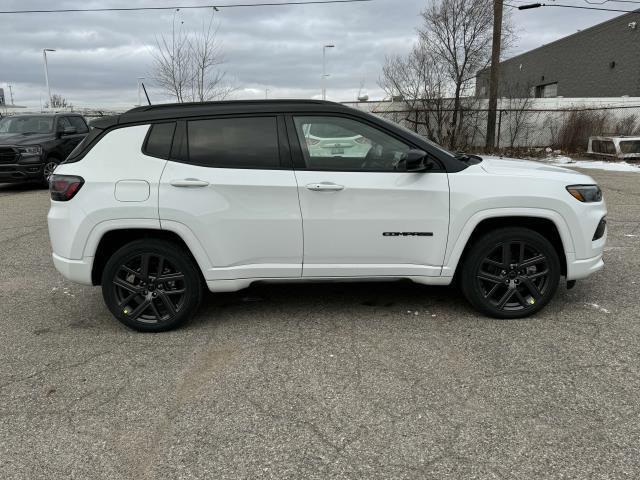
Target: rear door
[[363, 215], [230, 186]]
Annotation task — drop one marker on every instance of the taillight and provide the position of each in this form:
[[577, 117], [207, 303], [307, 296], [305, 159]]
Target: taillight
[[312, 141], [64, 187], [363, 141]]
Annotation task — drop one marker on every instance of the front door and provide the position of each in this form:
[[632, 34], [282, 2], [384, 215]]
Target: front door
[[235, 195], [363, 215]]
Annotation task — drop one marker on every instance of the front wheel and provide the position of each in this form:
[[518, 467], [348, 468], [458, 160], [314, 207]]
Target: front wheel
[[151, 285], [510, 273], [49, 166]]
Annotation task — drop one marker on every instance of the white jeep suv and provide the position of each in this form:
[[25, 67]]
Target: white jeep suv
[[162, 200]]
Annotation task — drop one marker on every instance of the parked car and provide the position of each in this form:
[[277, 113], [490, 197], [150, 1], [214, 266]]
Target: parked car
[[615, 147], [163, 200], [32, 146]]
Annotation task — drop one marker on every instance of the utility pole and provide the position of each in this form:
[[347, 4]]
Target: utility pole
[[494, 74]]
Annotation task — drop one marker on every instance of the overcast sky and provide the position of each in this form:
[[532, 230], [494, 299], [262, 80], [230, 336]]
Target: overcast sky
[[99, 55]]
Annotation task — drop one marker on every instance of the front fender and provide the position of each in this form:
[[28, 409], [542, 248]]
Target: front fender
[[458, 241]]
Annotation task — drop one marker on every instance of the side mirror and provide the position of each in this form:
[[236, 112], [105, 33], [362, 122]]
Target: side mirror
[[416, 161], [69, 130]]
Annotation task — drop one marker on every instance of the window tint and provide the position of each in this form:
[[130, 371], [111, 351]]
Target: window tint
[[234, 142], [630, 146], [160, 139], [63, 123], [343, 144], [609, 147], [79, 123]]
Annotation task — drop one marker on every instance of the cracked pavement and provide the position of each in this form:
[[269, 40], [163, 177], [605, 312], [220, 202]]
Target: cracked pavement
[[378, 380]]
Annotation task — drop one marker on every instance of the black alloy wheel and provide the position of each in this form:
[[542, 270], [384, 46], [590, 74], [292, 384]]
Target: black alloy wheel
[[151, 285], [511, 273], [49, 166], [149, 288]]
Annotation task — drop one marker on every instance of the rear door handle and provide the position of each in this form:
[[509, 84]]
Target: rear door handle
[[325, 187], [189, 182]]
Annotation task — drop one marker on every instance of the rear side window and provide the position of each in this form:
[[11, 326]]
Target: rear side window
[[79, 123], [159, 140], [250, 142]]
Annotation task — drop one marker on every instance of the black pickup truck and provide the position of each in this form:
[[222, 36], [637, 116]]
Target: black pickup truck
[[32, 146]]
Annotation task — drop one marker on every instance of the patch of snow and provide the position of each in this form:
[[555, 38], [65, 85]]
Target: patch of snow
[[598, 307]]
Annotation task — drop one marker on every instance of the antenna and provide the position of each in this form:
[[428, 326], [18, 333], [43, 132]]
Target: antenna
[[145, 92]]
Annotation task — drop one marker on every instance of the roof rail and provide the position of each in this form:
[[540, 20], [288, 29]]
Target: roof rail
[[160, 106]]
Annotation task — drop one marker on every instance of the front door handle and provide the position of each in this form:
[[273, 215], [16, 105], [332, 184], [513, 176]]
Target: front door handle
[[189, 182], [325, 187]]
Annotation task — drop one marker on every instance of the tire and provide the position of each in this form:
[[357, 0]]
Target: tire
[[49, 166], [510, 272], [160, 297]]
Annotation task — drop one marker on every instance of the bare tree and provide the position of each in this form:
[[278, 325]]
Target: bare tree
[[436, 77], [459, 34], [418, 79], [57, 101], [187, 65], [517, 113]]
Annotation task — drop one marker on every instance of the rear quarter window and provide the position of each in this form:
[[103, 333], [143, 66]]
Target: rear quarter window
[[159, 140]]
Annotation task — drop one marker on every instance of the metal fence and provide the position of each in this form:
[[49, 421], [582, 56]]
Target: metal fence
[[519, 127]]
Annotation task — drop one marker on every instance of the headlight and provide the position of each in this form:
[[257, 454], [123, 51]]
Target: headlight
[[33, 150], [585, 193]]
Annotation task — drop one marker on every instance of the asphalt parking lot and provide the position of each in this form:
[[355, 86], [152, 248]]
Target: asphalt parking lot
[[384, 380]]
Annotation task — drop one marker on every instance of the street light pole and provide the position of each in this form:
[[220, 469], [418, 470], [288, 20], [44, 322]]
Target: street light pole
[[46, 72], [324, 69]]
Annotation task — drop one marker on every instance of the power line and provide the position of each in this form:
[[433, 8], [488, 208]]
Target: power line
[[537, 5], [614, 1], [178, 7]]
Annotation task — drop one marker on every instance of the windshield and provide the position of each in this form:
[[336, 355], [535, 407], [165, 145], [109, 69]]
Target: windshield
[[26, 124]]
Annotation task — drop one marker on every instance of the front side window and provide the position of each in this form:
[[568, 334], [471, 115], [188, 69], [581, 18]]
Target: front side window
[[63, 123], [248, 142], [79, 123], [343, 144]]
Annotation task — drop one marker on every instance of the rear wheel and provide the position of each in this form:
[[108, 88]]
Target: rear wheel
[[151, 285], [510, 273]]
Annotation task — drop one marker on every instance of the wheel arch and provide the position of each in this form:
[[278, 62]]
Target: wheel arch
[[113, 240], [546, 225]]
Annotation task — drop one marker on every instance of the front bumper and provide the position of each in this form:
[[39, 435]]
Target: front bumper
[[579, 269], [78, 271], [16, 173]]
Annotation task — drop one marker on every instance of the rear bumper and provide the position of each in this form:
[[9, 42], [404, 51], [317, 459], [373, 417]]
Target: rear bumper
[[16, 173], [78, 271]]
